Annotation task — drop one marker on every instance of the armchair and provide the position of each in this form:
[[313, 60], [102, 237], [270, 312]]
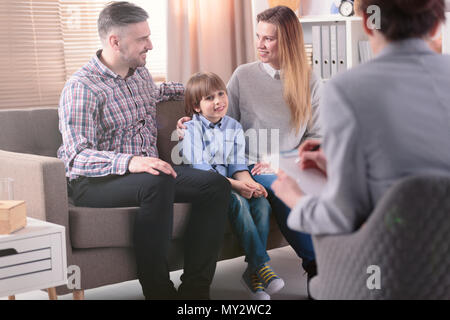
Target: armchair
[[404, 246]]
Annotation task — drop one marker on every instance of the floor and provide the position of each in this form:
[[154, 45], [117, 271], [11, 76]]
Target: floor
[[226, 284]]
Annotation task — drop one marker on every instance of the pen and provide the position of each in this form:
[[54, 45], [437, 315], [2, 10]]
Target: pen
[[315, 148]]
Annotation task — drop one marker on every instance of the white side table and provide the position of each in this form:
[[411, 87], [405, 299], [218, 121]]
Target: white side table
[[33, 258]]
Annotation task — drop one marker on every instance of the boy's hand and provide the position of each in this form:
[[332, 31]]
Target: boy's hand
[[245, 189], [181, 127], [260, 191]]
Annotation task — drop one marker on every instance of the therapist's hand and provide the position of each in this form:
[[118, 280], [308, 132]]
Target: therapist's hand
[[312, 159], [287, 189], [181, 127]]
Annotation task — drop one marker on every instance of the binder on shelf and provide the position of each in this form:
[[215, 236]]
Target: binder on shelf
[[333, 48], [326, 63], [317, 50], [342, 47]]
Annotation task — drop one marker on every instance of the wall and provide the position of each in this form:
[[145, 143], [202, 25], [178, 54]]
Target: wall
[[314, 7], [307, 7]]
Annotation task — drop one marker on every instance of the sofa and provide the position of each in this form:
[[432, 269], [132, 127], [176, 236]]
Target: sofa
[[99, 241]]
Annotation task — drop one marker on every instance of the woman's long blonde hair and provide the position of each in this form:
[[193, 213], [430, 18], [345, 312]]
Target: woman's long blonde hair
[[294, 65]]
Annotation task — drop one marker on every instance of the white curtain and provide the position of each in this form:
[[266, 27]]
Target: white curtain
[[209, 35]]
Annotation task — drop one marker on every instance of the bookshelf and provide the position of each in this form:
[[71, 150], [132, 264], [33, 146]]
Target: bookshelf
[[354, 33]]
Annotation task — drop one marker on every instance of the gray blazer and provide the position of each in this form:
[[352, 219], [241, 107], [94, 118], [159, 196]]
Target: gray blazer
[[382, 121]]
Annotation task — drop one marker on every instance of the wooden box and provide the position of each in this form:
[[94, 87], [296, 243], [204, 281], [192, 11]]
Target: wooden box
[[13, 216]]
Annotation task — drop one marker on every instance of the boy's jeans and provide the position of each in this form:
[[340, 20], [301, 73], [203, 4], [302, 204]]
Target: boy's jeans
[[249, 220]]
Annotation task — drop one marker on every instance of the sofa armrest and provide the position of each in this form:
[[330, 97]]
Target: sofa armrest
[[41, 182]]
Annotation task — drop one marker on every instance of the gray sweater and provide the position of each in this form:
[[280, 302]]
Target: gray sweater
[[256, 101]]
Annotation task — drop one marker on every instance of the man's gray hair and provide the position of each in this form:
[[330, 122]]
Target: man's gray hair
[[119, 15]]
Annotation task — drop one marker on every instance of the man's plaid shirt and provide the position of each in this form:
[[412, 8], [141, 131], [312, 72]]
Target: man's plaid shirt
[[105, 119]]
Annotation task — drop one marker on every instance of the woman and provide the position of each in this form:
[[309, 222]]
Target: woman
[[382, 121], [277, 99]]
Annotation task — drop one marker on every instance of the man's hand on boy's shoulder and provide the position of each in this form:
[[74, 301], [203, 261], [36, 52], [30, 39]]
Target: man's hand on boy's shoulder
[[150, 165], [181, 127]]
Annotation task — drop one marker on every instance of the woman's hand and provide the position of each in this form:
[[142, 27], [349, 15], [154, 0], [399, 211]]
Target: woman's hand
[[312, 159], [262, 168], [287, 189], [181, 127]]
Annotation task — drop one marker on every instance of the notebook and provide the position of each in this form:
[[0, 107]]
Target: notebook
[[310, 181]]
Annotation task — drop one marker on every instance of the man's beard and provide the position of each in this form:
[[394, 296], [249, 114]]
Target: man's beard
[[133, 63]]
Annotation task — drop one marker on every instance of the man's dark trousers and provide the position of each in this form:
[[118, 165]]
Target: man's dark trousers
[[209, 194]]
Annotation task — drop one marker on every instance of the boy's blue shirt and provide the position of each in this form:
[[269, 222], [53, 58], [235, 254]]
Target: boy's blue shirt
[[218, 147]]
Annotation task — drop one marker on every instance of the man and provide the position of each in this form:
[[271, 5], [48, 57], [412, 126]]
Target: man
[[107, 120]]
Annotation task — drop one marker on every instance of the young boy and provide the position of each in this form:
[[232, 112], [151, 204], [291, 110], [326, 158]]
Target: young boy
[[214, 141]]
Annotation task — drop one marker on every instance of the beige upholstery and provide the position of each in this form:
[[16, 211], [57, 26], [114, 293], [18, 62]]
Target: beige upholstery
[[98, 240]]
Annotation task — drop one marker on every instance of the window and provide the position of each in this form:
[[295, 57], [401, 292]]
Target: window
[[157, 58], [43, 42], [79, 32]]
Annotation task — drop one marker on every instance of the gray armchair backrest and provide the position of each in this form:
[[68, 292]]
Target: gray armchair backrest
[[406, 241], [35, 131], [32, 131]]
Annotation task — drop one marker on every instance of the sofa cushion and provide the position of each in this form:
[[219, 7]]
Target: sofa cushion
[[113, 227]]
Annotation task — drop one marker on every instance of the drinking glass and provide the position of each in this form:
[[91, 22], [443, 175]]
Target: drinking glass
[[6, 189]]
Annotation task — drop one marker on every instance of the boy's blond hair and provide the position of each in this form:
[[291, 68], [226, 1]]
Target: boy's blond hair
[[201, 85]]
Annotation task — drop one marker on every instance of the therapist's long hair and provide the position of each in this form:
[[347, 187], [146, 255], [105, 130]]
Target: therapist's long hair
[[296, 71]]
